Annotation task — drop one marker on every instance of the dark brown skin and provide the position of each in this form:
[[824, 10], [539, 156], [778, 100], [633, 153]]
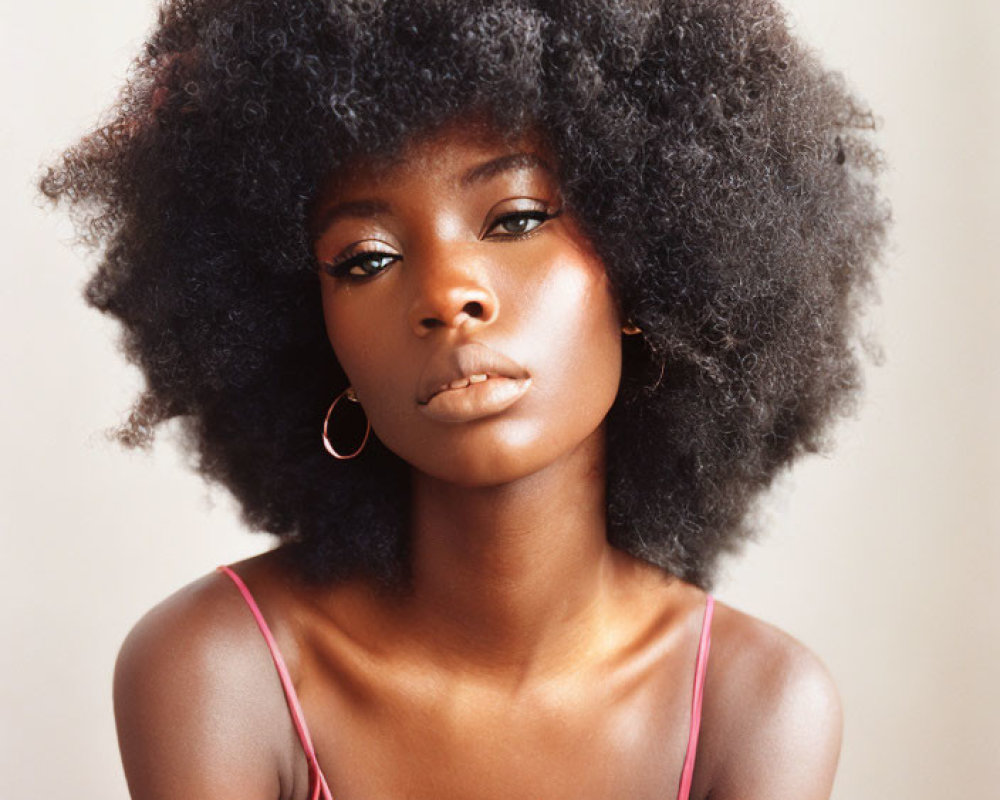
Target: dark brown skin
[[530, 658]]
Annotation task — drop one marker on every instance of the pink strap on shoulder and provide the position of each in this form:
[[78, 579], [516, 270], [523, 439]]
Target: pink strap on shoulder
[[316, 777], [704, 645]]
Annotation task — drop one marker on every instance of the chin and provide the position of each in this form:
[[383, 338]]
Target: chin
[[478, 466], [494, 461], [482, 473]]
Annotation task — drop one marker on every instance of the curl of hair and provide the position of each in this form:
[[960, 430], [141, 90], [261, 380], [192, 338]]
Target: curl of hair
[[726, 178]]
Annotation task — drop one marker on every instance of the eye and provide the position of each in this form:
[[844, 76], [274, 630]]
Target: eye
[[519, 223], [361, 265]]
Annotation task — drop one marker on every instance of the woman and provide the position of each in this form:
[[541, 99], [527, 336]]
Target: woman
[[587, 280]]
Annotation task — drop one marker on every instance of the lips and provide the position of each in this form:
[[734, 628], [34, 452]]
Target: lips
[[464, 366]]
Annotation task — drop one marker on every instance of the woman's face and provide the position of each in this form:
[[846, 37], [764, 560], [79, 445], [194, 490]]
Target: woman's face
[[469, 313]]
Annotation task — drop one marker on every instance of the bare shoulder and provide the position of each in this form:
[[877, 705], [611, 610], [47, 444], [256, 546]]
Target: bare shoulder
[[198, 706], [772, 715]]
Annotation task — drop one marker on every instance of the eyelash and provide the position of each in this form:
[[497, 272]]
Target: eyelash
[[341, 268], [540, 216]]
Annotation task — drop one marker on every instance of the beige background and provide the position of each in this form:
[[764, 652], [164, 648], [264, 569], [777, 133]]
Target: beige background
[[884, 558]]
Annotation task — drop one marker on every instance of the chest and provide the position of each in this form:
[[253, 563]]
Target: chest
[[421, 737]]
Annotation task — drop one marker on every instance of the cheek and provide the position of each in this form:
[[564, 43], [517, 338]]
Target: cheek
[[352, 332], [577, 315], [372, 351], [339, 320]]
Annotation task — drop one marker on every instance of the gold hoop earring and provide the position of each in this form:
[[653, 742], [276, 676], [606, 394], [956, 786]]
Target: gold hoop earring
[[353, 397], [629, 329]]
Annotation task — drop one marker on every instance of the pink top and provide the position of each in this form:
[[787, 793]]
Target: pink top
[[319, 788]]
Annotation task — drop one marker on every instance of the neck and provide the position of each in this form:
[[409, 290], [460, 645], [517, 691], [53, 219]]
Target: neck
[[514, 578]]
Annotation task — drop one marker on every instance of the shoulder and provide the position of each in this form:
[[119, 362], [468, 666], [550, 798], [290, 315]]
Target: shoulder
[[198, 705], [772, 714]]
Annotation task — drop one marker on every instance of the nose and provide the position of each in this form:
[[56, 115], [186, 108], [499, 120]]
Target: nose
[[451, 292]]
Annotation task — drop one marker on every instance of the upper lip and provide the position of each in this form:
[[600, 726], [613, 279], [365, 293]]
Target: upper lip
[[473, 358]]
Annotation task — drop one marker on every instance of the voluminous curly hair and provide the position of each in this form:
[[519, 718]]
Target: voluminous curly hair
[[725, 177]]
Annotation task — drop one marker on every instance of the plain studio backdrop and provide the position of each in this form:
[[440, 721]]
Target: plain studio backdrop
[[883, 556]]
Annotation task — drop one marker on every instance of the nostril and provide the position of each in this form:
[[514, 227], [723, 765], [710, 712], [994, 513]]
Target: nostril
[[454, 317]]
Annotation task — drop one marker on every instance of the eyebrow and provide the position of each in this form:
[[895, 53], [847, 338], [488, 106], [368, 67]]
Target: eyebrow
[[352, 208], [481, 172], [495, 166]]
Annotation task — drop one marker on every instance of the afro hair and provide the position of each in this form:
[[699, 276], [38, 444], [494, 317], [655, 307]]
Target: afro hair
[[725, 177]]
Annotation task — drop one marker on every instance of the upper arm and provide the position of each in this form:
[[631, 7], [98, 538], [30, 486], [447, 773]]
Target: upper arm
[[780, 718], [194, 702]]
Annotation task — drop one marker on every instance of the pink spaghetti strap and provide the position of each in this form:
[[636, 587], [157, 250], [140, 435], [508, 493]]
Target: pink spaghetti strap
[[704, 645], [316, 777]]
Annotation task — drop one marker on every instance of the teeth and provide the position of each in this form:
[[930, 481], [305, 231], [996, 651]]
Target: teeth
[[461, 383]]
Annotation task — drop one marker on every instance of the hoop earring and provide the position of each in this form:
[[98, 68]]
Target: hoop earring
[[353, 397], [629, 329]]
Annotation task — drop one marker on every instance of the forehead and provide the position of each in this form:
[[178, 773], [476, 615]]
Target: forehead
[[462, 152]]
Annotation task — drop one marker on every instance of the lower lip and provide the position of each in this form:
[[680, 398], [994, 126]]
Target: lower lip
[[477, 400]]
